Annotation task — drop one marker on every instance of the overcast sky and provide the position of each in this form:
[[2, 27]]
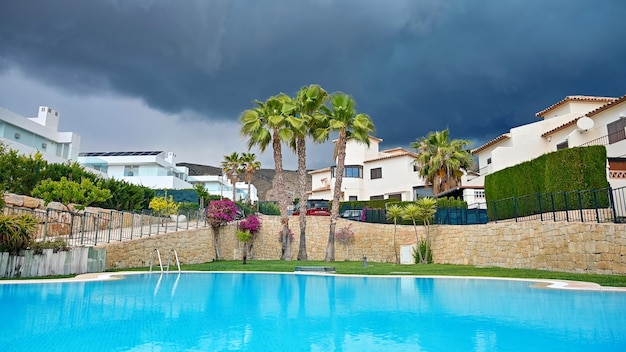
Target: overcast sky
[[132, 75]]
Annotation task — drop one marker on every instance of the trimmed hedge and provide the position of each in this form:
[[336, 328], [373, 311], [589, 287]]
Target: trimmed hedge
[[545, 183]]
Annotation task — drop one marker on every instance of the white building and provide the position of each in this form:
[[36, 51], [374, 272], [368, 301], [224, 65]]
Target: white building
[[572, 122], [372, 174], [29, 135], [153, 169], [220, 185]]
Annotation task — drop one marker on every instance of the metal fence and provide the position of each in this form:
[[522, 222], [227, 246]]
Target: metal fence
[[86, 228], [598, 205]]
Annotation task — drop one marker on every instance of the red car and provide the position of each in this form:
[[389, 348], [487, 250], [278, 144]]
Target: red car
[[314, 207]]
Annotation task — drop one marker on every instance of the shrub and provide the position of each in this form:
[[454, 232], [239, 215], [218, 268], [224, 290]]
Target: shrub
[[221, 212], [58, 244], [16, 232], [426, 254], [251, 223]]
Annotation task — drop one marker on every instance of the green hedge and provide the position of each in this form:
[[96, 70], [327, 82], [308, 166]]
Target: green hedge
[[565, 179]]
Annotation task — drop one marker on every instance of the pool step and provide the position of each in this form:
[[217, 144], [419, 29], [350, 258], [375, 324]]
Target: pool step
[[317, 269]]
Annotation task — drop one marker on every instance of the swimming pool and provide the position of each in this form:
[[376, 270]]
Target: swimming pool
[[297, 312]]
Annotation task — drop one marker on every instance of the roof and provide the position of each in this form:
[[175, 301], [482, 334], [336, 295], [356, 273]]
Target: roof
[[319, 171], [569, 98], [120, 153], [323, 188], [392, 153], [592, 113], [491, 142]]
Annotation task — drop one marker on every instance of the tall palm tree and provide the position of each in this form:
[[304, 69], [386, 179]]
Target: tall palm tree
[[250, 167], [394, 213], [263, 125], [231, 166], [441, 161], [341, 117], [305, 108]]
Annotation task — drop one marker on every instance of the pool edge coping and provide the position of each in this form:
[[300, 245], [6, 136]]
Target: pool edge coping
[[538, 283]]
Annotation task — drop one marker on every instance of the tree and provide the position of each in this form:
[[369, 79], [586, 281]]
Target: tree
[[203, 194], [246, 232], [164, 205], [441, 161], [345, 236], [250, 167], [342, 118], [263, 125], [220, 213], [67, 192], [305, 108], [394, 213], [422, 209], [232, 168]]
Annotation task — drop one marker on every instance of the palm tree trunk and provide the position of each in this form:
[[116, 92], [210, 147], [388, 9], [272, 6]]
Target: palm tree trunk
[[301, 149], [249, 179], [234, 181], [282, 201], [395, 248], [334, 211]]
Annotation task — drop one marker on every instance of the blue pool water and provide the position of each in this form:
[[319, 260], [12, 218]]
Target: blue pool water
[[287, 312]]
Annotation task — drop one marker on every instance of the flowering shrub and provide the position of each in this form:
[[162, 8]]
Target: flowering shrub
[[345, 235], [280, 236], [221, 212], [251, 223], [364, 214]]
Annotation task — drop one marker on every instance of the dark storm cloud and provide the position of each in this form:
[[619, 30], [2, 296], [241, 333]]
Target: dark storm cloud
[[477, 67]]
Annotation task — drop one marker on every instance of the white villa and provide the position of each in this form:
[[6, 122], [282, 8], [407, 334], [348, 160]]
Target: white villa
[[572, 122], [29, 135], [220, 185], [372, 174]]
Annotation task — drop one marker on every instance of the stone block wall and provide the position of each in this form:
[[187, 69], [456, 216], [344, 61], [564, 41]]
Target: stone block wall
[[560, 246]]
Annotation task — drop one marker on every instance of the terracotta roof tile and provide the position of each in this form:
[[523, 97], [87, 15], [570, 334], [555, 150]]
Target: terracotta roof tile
[[491, 142], [569, 98], [392, 153]]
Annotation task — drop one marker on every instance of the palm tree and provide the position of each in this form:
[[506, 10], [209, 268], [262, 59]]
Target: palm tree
[[426, 208], [231, 166], [441, 160], [342, 118], [412, 212], [394, 213], [264, 125], [305, 108], [250, 167]]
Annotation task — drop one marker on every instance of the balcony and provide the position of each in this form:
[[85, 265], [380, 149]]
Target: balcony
[[608, 139]]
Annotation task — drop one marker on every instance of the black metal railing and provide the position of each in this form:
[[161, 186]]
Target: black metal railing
[[597, 205]]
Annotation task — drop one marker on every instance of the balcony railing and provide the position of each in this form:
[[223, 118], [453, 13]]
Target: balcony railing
[[608, 139]]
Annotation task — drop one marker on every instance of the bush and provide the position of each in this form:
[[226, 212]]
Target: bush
[[58, 244], [16, 232], [429, 257]]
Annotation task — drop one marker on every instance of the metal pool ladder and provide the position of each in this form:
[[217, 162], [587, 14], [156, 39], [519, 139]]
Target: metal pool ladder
[[169, 257]]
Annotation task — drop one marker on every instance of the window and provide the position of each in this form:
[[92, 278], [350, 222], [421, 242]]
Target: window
[[377, 197], [422, 191], [350, 171], [488, 161], [352, 198], [562, 145], [131, 170], [397, 196], [376, 173], [416, 167], [617, 131]]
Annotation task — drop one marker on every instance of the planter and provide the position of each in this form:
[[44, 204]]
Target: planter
[[77, 260]]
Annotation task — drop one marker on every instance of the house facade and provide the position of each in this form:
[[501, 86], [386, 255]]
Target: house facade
[[153, 169], [220, 185], [372, 174], [575, 121], [29, 135]]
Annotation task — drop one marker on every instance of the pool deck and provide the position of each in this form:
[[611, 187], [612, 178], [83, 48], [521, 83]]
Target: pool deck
[[538, 283]]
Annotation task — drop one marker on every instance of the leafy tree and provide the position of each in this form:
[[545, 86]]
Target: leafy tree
[[232, 168], [305, 115], [394, 213], [341, 117], [263, 125], [203, 194], [164, 205], [250, 167], [345, 236], [18, 172], [125, 195], [220, 213], [71, 171], [441, 161], [67, 192]]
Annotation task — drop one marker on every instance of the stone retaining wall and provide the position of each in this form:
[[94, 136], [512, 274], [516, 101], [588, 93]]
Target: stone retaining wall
[[570, 247]]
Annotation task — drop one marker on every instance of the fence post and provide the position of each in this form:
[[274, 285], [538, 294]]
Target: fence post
[[552, 201], [132, 224], [82, 227], [595, 204], [612, 205], [580, 206], [540, 208], [566, 206], [515, 208], [141, 225], [95, 240], [110, 226], [45, 223]]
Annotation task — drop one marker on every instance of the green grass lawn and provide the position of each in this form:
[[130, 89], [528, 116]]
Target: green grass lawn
[[356, 268]]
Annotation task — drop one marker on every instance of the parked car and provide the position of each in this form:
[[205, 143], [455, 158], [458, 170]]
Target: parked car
[[352, 214], [314, 207]]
